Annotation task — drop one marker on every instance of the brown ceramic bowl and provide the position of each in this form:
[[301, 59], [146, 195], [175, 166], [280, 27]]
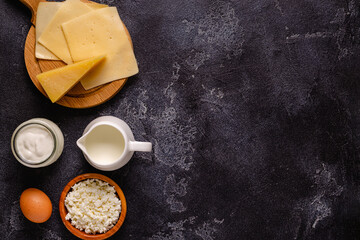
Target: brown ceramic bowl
[[82, 234]]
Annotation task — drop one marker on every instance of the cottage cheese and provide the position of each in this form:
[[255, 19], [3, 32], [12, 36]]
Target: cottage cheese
[[93, 206]]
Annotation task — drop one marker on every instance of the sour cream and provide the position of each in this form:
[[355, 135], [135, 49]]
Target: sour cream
[[34, 143], [37, 142]]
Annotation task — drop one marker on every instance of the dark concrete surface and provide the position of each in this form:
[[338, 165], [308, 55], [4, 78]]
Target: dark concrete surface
[[252, 107]]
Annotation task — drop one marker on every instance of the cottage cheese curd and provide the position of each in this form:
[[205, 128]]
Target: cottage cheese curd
[[93, 206]]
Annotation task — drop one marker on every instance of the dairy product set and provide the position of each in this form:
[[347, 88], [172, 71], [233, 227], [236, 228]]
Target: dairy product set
[[97, 48]]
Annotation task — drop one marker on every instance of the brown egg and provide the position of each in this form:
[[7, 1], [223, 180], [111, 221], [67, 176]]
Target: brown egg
[[35, 205]]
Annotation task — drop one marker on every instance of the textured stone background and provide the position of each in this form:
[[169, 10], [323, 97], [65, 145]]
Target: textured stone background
[[252, 107]]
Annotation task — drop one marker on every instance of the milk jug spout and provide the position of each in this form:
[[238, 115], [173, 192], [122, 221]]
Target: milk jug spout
[[81, 143]]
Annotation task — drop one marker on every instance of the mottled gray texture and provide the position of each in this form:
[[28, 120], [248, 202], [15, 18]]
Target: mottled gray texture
[[252, 108]]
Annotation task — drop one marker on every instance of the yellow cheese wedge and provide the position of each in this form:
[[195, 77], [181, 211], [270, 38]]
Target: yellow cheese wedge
[[58, 82], [53, 38], [101, 32], [45, 12]]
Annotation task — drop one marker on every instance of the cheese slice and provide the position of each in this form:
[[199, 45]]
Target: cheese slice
[[53, 38], [59, 81], [95, 5], [45, 13], [101, 32]]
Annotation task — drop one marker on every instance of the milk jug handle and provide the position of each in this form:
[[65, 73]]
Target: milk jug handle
[[140, 146]]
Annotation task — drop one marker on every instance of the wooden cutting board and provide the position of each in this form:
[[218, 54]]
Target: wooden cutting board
[[77, 97]]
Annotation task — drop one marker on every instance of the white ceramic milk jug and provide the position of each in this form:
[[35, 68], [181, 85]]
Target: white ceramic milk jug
[[108, 143]]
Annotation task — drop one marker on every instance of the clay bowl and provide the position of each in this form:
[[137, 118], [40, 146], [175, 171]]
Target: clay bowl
[[82, 234]]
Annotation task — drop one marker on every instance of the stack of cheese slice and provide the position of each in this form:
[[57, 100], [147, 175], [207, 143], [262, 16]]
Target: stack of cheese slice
[[74, 31]]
